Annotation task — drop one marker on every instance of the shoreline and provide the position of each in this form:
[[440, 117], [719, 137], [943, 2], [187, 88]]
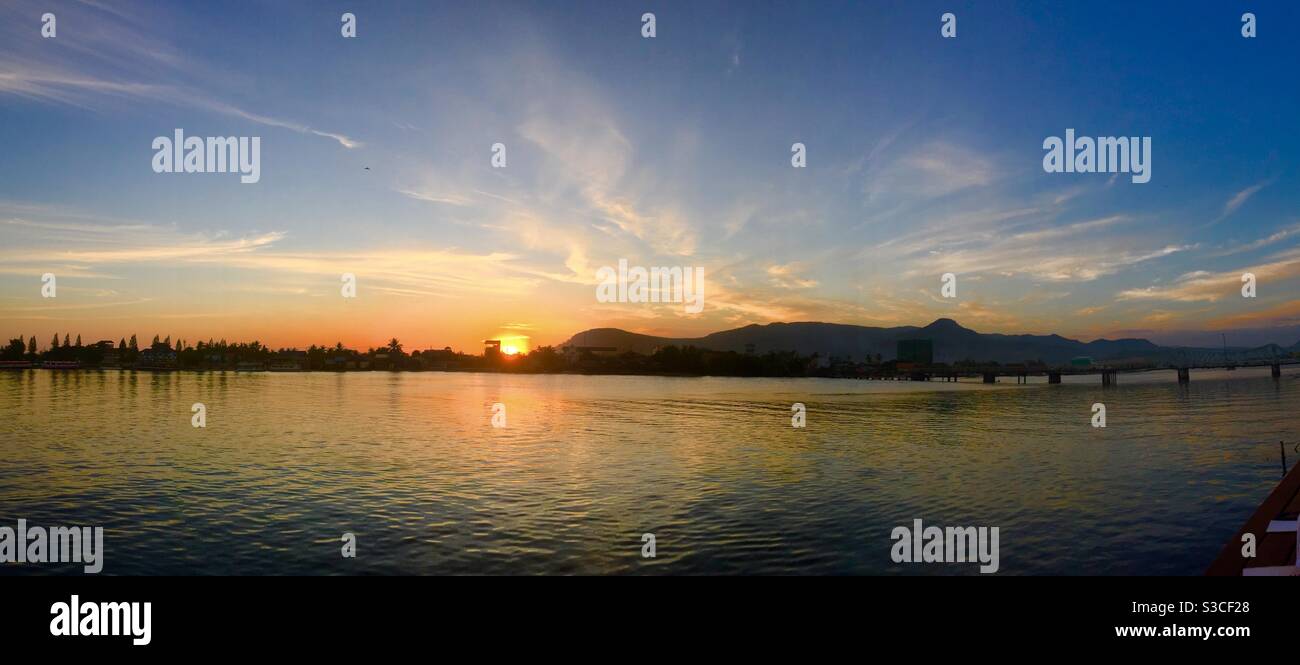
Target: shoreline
[[970, 378]]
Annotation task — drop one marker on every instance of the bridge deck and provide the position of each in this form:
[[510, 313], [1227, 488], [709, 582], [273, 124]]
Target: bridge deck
[[1040, 370]]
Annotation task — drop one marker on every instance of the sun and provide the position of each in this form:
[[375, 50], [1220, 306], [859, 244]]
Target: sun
[[511, 344]]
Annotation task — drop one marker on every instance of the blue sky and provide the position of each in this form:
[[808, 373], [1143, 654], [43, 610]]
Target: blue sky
[[924, 157]]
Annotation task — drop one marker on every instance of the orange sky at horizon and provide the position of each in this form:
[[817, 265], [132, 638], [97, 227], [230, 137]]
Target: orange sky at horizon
[[675, 153], [371, 326]]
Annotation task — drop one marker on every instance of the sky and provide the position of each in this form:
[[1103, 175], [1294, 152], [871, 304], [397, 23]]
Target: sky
[[924, 157]]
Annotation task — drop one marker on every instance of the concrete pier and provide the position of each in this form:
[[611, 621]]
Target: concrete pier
[[990, 377], [1109, 377], [1053, 377], [1277, 371]]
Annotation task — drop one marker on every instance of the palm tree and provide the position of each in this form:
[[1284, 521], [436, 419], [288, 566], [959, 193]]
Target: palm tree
[[395, 347]]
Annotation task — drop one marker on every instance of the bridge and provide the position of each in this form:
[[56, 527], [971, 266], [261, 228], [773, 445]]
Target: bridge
[[1109, 373]]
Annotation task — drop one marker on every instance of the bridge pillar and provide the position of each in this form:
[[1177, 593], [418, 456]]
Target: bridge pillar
[[1277, 371], [1184, 375], [990, 377], [1109, 377], [1053, 377]]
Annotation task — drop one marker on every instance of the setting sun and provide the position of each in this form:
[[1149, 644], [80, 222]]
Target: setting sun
[[513, 345]]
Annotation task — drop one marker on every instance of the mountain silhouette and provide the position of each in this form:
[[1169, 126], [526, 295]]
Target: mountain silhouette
[[952, 343]]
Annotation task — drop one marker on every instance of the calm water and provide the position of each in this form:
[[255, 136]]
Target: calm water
[[711, 466]]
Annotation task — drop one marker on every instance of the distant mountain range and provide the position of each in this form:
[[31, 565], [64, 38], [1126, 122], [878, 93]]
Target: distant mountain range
[[952, 342]]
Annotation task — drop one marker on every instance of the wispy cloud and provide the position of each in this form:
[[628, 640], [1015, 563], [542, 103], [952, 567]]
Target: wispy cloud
[[1205, 286], [430, 197], [1241, 197], [933, 170], [1270, 239], [105, 62], [788, 276], [1282, 314]]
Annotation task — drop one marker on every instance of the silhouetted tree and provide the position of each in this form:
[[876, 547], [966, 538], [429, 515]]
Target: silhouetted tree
[[14, 351]]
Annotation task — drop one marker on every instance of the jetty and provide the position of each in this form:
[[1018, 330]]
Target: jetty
[[1273, 527], [1021, 372]]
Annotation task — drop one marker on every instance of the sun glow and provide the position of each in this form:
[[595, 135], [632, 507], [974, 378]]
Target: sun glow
[[513, 345]]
